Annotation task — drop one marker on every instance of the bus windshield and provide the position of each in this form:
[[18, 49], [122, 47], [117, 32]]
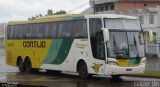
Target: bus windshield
[[127, 42]]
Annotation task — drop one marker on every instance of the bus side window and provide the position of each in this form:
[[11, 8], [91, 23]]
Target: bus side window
[[8, 32], [51, 30], [34, 31], [27, 29], [66, 29], [12, 32], [18, 31], [59, 30], [41, 30], [79, 29]]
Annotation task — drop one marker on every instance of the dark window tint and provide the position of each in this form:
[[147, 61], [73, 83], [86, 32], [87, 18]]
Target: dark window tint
[[97, 9], [18, 31], [41, 30], [8, 32], [96, 37], [51, 30], [101, 8], [12, 32], [80, 29], [34, 31], [95, 26], [27, 29], [66, 29], [112, 7], [106, 8], [59, 29]]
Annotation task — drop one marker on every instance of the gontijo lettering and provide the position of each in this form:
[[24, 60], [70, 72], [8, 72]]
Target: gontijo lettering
[[34, 44]]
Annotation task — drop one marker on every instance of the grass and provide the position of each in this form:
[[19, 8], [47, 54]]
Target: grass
[[151, 73]]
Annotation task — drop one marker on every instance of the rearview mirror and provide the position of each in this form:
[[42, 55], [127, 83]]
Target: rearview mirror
[[150, 35], [105, 34]]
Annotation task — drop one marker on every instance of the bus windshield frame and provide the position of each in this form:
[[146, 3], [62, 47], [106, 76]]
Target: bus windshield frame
[[126, 39]]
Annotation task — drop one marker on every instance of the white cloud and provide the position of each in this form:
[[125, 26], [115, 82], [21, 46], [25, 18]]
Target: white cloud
[[22, 9]]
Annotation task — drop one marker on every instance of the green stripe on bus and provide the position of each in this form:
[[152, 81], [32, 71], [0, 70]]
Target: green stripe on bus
[[58, 51], [63, 51], [53, 51]]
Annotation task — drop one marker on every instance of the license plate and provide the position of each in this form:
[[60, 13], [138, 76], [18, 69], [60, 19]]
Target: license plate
[[128, 69]]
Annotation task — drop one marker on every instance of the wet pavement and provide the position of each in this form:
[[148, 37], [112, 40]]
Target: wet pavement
[[11, 74]]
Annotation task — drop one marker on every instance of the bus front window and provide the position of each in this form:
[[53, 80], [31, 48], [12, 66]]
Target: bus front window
[[126, 39], [125, 45], [118, 45]]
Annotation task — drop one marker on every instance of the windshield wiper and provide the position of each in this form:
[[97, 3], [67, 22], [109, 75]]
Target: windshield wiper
[[114, 41], [135, 43]]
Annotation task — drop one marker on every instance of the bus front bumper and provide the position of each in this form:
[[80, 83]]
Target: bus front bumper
[[117, 70]]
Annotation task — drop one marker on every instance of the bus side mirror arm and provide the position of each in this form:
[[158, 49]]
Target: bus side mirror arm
[[105, 34]]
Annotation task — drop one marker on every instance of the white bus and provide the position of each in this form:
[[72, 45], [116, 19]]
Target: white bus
[[100, 44]]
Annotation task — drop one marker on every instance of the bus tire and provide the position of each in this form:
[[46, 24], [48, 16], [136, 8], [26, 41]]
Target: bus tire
[[28, 65], [20, 65], [83, 71]]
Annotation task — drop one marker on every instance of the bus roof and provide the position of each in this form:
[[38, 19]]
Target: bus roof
[[49, 19], [69, 17]]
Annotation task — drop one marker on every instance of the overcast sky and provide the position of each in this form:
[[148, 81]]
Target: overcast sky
[[22, 9]]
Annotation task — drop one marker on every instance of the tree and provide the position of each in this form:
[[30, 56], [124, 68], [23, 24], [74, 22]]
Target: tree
[[40, 15], [60, 12], [49, 13]]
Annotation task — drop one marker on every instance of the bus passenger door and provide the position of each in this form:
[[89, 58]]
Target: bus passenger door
[[97, 46]]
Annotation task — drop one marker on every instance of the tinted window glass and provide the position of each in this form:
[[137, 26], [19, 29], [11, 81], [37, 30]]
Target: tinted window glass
[[12, 32], [51, 30], [8, 32], [80, 29], [27, 29], [34, 31], [95, 26], [59, 30], [96, 37], [66, 29], [41, 30], [18, 31]]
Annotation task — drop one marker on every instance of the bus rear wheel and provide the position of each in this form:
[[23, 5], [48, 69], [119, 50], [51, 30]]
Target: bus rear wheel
[[28, 65], [20, 65], [83, 71]]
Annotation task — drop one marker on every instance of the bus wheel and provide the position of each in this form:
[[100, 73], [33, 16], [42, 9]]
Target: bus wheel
[[28, 66], [82, 70], [20, 65]]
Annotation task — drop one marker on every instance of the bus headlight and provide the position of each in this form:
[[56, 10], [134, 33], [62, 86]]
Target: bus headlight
[[112, 63], [143, 62]]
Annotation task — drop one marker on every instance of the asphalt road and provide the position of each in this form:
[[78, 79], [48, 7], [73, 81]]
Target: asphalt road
[[11, 75]]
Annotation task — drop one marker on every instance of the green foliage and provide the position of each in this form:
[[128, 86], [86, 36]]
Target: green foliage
[[60, 12], [49, 13], [154, 73]]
